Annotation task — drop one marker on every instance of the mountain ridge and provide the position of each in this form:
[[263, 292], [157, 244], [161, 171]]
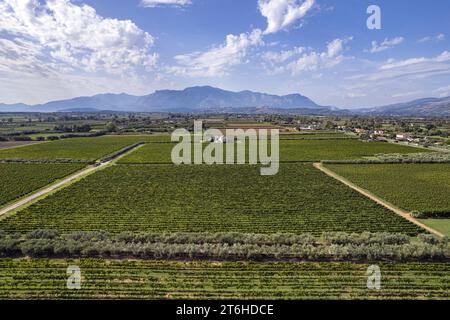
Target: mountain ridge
[[211, 99]]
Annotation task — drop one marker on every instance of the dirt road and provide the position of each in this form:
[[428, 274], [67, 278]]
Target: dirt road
[[371, 196]]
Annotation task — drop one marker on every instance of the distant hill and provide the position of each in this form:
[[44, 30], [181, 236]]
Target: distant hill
[[427, 107], [192, 99], [210, 99]]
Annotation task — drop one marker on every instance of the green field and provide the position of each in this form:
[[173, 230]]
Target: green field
[[107, 279], [441, 225], [168, 198], [421, 187], [290, 150], [75, 148], [19, 179], [344, 149]]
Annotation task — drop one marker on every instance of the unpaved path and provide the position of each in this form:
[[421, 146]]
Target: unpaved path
[[66, 181], [371, 196]]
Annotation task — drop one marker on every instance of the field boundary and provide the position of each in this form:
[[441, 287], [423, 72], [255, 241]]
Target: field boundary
[[62, 183], [405, 214]]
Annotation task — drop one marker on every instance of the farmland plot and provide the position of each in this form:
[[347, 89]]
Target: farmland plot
[[75, 148], [414, 187], [422, 187], [344, 149], [290, 150], [19, 179], [190, 198], [109, 279]]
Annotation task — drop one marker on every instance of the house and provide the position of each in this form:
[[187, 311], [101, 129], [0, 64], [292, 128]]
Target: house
[[308, 127], [402, 137]]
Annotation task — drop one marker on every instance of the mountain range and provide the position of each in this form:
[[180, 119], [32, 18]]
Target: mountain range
[[209, 99]]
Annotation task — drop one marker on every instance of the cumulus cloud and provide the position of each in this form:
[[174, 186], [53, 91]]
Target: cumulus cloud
[[58, 36], [280, 14], [219, 59], [386, 44], [309, 60], [165, 3]]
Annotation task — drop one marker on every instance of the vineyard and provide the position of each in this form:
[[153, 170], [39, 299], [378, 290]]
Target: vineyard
[[290, 150], [76, 148], [343, 149], [167, 198], [17, 180], [421, 187], [107, 279]]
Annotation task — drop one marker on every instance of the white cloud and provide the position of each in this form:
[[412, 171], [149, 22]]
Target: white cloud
[[354, 95], [162, 3], [58, 36], [437, 38], [218, 60], [279, 57], [386, 44], [443, 91], [440, 37], [406, 94], [412, 69], [312, 60], [280, 14]]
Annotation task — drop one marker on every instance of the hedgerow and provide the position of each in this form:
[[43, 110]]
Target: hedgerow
[[228, 246]]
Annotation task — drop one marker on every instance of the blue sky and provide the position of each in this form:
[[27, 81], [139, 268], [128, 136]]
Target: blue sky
[[58, 49]]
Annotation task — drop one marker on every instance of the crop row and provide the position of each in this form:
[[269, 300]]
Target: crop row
[[168, 198], [108, 279]]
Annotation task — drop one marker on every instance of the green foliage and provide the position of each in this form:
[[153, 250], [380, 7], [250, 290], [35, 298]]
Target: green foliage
[[19, 179], [189, 198], [109, 279], [228, 246]]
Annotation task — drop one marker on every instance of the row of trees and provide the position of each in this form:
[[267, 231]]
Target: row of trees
[[328, 247]]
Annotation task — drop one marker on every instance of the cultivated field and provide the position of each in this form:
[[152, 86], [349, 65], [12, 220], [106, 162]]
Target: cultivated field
[[344, 149], [422, 187], [19, 179], [307, 150], [76, 148], [171, 217], [13, 144], [168, 198], [106, 279]]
